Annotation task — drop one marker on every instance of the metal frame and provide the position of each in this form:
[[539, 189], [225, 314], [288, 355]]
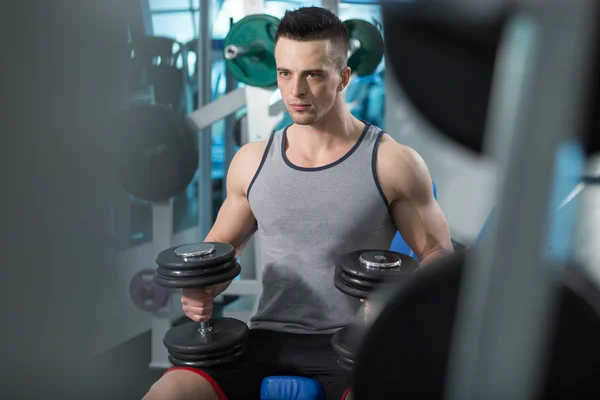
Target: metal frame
[[507, 300]]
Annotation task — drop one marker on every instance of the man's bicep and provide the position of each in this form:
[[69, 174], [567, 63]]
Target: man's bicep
[[422, 224], [235, 222], [417, 214]]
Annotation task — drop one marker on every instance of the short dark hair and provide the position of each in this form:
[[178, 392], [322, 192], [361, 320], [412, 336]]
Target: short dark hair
[[316, 23]]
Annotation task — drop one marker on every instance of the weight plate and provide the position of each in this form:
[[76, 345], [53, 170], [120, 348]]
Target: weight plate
[[226, 333], [157, 152], [147, 295], [346, 364], [197, 282], [370, 53], [350, 290], [196, 272], [207, 356], [206, 363], [253, 31], [167, 82], [354, 281], [380, 259], [223, 252], [339, 345], [351, 265]]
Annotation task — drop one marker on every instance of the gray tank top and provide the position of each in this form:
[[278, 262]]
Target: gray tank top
[[305, 216]]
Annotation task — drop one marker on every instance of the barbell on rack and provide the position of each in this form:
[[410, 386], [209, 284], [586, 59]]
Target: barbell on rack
[[250, 49]]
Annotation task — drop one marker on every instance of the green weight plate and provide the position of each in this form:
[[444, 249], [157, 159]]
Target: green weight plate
[[249, 50], [366, 59]]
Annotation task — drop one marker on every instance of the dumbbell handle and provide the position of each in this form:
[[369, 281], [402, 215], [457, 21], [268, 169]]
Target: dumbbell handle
[[205, 328], [353, 46], [233, 51]]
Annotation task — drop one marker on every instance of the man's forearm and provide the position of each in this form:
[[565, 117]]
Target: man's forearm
[[435, 254], [220, 287]]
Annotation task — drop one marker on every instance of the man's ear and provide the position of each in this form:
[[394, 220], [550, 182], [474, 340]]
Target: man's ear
[[345, 75]]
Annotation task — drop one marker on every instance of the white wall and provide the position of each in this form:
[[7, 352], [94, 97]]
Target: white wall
[[465, 182]]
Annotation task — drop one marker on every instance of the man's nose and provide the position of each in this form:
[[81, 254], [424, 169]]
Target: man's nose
[[298, 87]]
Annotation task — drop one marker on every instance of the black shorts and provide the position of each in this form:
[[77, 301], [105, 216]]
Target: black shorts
[[270, 353]]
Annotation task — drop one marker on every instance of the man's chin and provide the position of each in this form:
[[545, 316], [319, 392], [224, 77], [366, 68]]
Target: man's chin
[[302, 119]]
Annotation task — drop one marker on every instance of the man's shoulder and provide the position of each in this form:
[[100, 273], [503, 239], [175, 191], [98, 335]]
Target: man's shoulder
[[394, 154], [245, 163], [251, 152], [400, 168]]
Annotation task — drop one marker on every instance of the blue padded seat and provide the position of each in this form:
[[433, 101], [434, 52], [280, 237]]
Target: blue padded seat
[[291, 388]]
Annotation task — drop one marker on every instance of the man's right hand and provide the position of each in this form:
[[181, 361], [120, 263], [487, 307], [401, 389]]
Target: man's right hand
[[198, 303]]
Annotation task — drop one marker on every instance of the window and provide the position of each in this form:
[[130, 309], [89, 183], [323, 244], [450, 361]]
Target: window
[[168, 5], [177, 25]]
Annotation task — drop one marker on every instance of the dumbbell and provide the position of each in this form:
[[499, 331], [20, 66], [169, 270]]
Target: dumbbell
[[357, 274], [208, 343]]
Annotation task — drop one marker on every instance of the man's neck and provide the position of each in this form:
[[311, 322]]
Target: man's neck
[[339, 125]]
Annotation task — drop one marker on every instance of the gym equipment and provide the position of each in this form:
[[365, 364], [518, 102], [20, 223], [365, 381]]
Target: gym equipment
[[419, 319], [209, 343], [146, 294], [157, 152], [156, 148], [444, 67], [365, 49], [252, 63], [500, 336], [157, 62], [237, 131], [357, 274]]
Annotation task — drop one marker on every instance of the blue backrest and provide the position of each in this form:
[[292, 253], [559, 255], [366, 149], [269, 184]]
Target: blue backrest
[[398, 244]]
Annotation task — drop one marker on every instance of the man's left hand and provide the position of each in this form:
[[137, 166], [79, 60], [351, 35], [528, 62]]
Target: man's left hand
[[368, 311]]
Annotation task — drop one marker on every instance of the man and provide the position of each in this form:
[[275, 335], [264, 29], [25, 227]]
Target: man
[[329, 183]]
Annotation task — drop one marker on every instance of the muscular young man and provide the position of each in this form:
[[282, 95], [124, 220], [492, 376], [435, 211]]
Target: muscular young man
[[329, 183]]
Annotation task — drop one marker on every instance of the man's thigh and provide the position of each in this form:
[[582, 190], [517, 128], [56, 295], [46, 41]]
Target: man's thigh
[[241, 379], [312, 356]]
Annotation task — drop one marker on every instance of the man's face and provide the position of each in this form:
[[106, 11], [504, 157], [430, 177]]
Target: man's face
[[308, 78]]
